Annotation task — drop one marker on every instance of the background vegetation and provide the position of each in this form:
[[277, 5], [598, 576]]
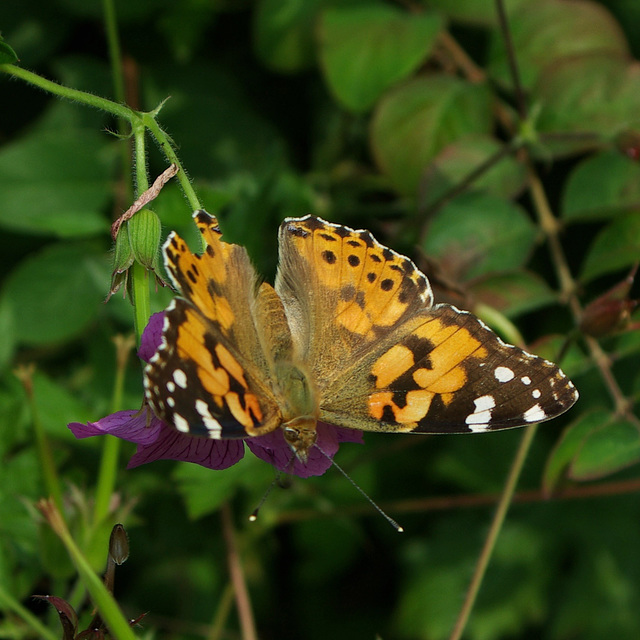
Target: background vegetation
[[518, 194]]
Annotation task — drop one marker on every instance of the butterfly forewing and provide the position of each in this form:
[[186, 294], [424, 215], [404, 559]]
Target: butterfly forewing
[[211, 375]]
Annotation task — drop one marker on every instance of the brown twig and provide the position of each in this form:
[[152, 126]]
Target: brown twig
[[470, 501], [243, 602], [149, 195]]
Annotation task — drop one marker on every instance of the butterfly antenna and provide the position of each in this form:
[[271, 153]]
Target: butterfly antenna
[[254, 514], [370, 500]]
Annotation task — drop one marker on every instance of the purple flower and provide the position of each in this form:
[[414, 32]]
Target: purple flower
[[158, 441]]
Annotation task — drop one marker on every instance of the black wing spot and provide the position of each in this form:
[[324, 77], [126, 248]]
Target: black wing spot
[[387, 284], [329, 257], [354, 261], [371, 277]]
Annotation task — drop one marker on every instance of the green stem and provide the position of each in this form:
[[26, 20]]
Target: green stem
[[142, 179], [115, 57], [50, 474], [492, 536], [104, 601], [111, 28], [139, 275], [118, 110], [109, 463], [500, 323], [9, 603], [170, 154], [135, 118]]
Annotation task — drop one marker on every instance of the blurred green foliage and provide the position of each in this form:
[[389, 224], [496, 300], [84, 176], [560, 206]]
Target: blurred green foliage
[[370, 114]]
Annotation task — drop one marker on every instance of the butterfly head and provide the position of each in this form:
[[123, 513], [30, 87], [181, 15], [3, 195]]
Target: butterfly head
[[300, 434]]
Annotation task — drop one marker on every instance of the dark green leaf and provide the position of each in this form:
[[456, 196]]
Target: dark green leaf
[[569, 445], [416, 121], [615, 247], [457, 161], [56, 182], [598, 96], [56, 406], [607, 449], [367, 48], [7, 54], [513, 293], [477, 234], [283, 33], [204, 490], [601, 186], [53, 295], [547, 32]]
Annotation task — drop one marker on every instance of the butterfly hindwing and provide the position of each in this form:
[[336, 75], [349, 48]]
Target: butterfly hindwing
[[449, 373]]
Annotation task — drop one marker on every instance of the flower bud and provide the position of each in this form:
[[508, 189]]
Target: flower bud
[[611, 312], [144, 236]]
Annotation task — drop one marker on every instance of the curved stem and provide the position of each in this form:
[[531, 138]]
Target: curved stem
[[492, 536], [118, 110]]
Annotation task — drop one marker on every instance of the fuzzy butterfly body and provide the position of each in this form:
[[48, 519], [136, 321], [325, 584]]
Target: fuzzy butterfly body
[[349, 335]]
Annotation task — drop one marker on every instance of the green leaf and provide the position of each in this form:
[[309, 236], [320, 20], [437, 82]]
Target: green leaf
[[605, 450], [56, 406], [594, 446], [367, 48], [56, 182], [454, 163], [52, 294], [513, 293], [547, 32], [204, 490], [477, 234], [598, 95], [283, 33], [7, 54], [474, 12], [568, 446], [601, 186], [415, 122], [615, 247], [239, 137]]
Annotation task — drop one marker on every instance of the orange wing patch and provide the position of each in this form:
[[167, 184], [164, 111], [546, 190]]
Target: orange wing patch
[[431, 360], [375, 288]]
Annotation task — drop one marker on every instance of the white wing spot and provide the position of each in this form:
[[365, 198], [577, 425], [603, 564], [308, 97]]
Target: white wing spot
[[526, 380], [478, 421], [213, 426], [535, 414], [171, 387], [503, 374], [171, 402], [536, 393], [180, 423], [180, 378]]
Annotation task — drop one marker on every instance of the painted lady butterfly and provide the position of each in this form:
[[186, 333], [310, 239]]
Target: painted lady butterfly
[[349, 335]]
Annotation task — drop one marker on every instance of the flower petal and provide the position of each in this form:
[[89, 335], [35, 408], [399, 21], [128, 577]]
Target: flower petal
[[173, 445], [273, 448], [133, 425], [151, 336]]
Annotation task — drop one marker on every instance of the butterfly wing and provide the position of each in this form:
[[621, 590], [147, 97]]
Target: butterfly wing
[[210, 375], [385, 358]]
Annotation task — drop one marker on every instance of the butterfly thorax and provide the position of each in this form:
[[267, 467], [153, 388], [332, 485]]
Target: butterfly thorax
[[299, 407]]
